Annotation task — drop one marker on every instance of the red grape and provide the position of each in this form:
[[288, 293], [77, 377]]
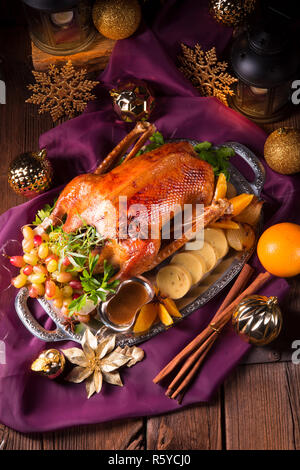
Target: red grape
[[17, 261], [37, 240], [75, 284], [66, 261], [28, 270]]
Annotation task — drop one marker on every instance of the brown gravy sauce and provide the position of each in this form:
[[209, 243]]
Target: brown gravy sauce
[[123, 307]]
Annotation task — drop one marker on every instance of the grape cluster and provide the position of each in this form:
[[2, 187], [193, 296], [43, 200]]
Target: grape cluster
[[42, 271]]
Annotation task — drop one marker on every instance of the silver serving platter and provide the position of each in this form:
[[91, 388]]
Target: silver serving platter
[[211, 286]]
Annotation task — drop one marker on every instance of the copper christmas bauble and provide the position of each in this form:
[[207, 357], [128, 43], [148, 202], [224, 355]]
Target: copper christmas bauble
[[133, 101], [231, 12], [117, 19], [50, 363], [30, 173], [258, 319], [282, 150]]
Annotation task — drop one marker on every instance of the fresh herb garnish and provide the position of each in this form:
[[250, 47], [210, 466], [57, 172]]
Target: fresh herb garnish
[[42, 214], [77, 246], [217, 157], [156, 140], [96, 287]]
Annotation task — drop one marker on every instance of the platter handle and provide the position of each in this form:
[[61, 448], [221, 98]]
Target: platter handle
[[32, 324], [255, 164]]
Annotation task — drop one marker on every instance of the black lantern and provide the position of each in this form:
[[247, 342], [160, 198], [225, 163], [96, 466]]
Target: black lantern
[[265, 61], [60, 27]]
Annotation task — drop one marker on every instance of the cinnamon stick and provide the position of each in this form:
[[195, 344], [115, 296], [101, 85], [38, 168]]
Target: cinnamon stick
[[241, 281], [237, 287], [185, 383], [190, 361]]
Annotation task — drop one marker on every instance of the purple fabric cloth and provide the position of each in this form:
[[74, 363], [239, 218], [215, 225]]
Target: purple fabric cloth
[[33, 403]]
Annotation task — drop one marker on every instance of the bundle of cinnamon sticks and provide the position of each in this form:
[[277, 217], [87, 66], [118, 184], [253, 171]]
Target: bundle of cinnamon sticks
[[189, 360]]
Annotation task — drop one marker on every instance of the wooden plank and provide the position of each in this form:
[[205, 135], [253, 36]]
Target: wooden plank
[[262, 407], [13, 440], [196, 427], [95, 58], [117, 435]]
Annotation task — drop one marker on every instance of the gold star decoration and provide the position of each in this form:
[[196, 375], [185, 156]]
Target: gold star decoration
[[61, 92], [99, 361], [205, 72]]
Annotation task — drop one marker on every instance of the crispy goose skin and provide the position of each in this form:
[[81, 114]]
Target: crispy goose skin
[[163, 178]]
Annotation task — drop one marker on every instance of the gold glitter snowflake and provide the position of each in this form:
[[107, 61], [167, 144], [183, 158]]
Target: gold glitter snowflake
[[61, 92], [206, 73]]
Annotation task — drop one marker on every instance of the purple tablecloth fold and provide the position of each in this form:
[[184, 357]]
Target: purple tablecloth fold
[[33, 403]]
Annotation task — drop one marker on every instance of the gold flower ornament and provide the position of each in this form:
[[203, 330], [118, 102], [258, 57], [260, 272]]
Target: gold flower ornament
[[99, 361]]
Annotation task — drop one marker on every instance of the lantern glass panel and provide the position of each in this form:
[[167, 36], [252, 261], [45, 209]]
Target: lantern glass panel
[[64, 32], [261, 103]]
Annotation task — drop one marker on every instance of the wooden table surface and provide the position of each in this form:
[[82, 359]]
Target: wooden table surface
[[258, 407]]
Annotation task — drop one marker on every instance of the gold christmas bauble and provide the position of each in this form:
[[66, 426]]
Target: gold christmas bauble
[[117, 19], [30, 173], [231, 12], [50, 363], [258, 319], [282, 150]]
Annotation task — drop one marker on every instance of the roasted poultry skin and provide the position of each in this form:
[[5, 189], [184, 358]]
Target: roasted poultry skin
[[169, 175]]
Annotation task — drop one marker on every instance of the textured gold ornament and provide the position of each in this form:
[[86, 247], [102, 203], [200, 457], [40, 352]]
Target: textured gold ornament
[[282, 150], [30, 173], [99, 361], [231, 12], [61, 92], [132, 101], [117, 19], [258, 319], [50, 363], [206, 73]]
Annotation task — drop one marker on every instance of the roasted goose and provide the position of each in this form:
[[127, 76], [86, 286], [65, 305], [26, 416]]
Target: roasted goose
[[158, 180]]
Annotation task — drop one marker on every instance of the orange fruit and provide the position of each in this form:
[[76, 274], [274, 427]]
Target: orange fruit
[[278, 249]]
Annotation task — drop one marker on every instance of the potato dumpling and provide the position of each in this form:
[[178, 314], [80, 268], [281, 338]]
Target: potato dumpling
[[208, 254], [192, 263], [174, 281], [217, 238]]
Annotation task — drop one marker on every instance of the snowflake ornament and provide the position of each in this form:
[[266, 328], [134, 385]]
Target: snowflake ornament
[[205, 72], [61, 92]]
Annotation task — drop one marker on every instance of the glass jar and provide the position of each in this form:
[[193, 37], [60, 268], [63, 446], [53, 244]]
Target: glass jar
[[60, 27]]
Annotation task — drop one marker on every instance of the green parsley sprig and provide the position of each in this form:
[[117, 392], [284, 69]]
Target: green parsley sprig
[[217, 157], [156, 141], [96, 287]]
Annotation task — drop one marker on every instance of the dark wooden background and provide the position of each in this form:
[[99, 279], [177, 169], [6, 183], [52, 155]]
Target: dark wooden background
[[258, 407]]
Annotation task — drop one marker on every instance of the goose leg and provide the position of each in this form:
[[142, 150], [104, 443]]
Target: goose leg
[[141, 128], [210, 214]]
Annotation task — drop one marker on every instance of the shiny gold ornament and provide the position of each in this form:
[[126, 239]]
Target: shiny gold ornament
[[205, 72], [258, 319], [282, 150], [98, 361], [231, 12], [132, 101], [30, 173], [117, 19], [50, 363]]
